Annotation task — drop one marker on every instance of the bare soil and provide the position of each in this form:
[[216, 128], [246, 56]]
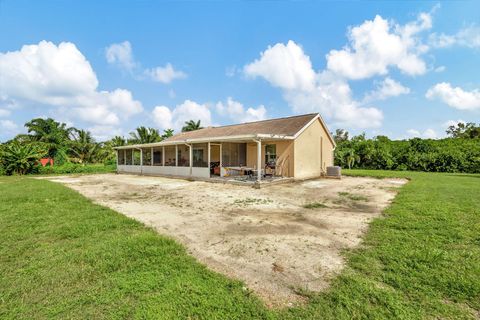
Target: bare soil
[[280, 240]]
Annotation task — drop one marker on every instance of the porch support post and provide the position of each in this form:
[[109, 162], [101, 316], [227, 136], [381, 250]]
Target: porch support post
[[124, 156], [151, 156], [221, 173], [117, 157], [176, 155], [133, 157], [141, 161], [259, 160], [163, 156], [190, 157], [208, 156]]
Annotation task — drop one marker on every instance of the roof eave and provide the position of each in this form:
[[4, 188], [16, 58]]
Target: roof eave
[[210, 139]]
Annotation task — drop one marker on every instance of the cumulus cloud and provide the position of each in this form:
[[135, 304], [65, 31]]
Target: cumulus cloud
[[455, 97], [60, 76], [427, 134], [468, 37], [235, 111], [284, 66], [289, 68], [120, 54], [175, 118], [103, 133], [378, 44], [8, 125], [385, 89], [165, 74]]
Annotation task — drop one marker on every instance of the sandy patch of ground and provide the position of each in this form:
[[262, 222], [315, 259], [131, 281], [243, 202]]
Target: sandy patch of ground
[[265, 237]]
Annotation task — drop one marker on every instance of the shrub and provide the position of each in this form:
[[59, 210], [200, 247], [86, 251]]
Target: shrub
[[76, 168]]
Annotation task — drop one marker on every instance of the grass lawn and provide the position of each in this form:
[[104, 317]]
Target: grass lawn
[[62, 256]]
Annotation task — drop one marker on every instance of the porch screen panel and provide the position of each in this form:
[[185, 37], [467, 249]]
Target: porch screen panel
[[183, 155], [170, 156], [128, 159], [136, 157], [147, 157], [121, 157], [234, 154], [157, 156], [200, 155]]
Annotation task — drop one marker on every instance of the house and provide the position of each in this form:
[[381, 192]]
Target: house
[[298, 147]]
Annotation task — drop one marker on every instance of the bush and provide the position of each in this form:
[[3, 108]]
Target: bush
[[76, 168], [443, 155]]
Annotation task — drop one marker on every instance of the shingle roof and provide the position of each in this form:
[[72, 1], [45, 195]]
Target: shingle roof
[[287, 126]]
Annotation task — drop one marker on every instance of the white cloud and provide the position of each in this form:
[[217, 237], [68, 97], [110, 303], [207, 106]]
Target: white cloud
[[61, 77], [162, 116], [385, 89], [427, 134], [175, 118], [455, 97], [103, 133], [236, 111], [8, 125], [8, 129], [165, 74], [120, 54], [378, 44], [467, 37], [4, 113], [440, 69], [284, 66], [289, 68]]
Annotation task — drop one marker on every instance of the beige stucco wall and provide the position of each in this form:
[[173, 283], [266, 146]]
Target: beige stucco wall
[[284, 151], [313, 151]]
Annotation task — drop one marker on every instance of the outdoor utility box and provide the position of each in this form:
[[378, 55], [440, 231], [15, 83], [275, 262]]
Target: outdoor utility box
[[334, 172]]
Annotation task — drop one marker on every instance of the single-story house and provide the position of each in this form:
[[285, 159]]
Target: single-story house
[[298, 147]]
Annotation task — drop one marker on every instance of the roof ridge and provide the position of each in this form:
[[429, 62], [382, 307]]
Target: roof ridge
[[265, 120]]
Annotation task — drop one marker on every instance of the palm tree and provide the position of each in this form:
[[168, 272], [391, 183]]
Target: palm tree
[[117, 141], [83, 147], [20, 158], [144, 135], [167, 133], [53, 134], [191, 126]]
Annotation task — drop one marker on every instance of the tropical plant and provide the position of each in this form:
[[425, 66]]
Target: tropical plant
[[144, 135], [167, 133], [351, 157], [20, 158], [52, 133], [117, 141], [191, 125], [84, 149]]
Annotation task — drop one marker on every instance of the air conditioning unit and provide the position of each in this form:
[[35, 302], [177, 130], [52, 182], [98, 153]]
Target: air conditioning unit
[[334, 172]]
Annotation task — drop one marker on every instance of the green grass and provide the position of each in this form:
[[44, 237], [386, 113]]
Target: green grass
[[314, 205], [354, 197], [63, 257]]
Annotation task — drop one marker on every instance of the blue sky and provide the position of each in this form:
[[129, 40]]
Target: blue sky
[[402, 69]]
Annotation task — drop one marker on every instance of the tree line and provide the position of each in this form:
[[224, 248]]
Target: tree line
[[459, 152], [47, 138]]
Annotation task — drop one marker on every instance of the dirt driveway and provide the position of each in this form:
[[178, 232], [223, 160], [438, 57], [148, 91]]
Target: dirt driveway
[[277, 239]]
